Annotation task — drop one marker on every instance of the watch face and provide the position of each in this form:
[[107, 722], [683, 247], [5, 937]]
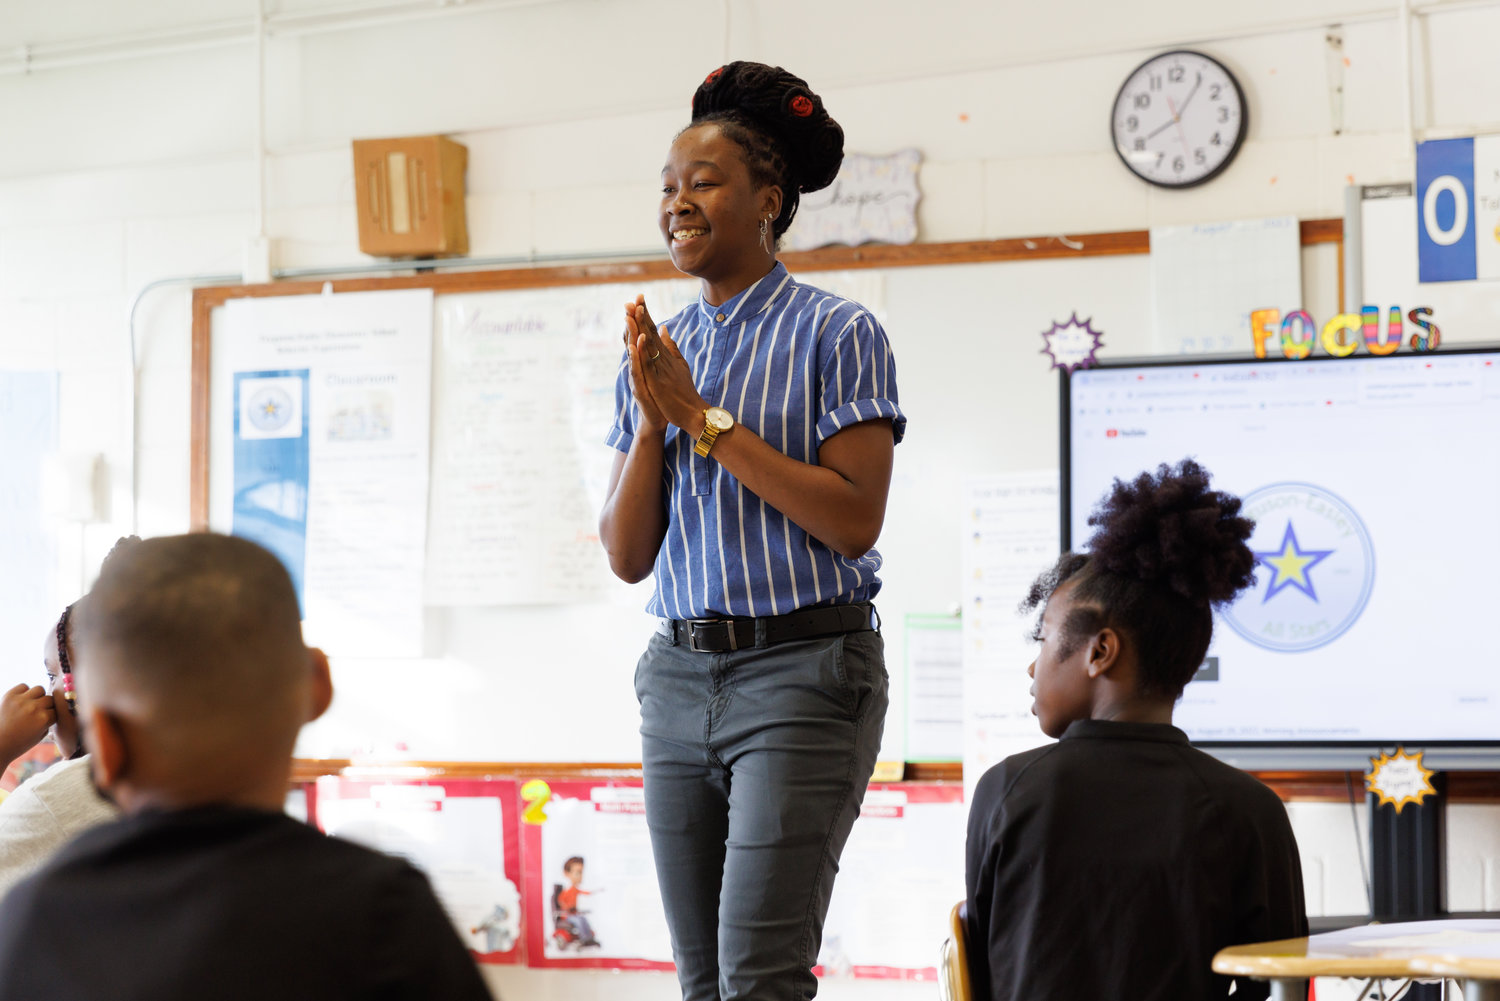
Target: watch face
[[719, 418], [1179, 119]]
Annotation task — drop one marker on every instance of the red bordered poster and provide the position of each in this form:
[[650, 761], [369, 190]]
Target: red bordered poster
[[461, 833], [588, 878], [901, 873]]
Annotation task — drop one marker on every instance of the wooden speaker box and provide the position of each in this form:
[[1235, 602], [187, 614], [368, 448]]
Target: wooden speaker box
[[410, 195]]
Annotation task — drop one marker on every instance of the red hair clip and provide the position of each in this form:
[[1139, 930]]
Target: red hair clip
[[708, 80], [802, 106]]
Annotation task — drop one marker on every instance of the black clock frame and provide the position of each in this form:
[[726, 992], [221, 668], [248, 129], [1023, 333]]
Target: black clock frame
[[1234, 147]]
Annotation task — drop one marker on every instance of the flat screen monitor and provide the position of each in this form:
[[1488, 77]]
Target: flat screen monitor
[[1374, 483]]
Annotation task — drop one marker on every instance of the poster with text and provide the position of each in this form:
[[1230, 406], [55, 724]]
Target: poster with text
[[1010, 533], [461, 833], [901, 873], [589, 880], [331, 418]]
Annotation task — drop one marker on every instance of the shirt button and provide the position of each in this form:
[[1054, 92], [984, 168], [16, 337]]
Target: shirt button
[[720, 318]]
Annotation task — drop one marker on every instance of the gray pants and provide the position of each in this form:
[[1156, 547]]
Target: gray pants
[[756, 763]]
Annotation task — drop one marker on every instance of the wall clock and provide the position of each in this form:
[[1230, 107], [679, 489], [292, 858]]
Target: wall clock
[[1179, 119]]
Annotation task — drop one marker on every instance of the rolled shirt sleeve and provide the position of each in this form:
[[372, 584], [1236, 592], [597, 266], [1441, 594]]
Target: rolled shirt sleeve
[[858, 379], [622, 431]]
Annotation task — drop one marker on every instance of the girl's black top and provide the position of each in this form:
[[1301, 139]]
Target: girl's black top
[[1116, 862]]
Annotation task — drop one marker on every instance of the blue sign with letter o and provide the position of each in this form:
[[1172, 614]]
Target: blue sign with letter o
[[1445, 211]]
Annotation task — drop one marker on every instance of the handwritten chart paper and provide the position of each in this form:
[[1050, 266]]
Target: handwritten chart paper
[[1010, 534], [525, 395], [331, 418], [1206, 280]]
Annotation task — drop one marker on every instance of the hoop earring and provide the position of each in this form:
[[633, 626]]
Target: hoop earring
[[764, 226]]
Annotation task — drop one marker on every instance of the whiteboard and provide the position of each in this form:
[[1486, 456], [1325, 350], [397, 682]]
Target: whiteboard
[[553, 681]]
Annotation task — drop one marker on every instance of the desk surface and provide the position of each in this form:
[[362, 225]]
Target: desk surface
[[1448, 948]]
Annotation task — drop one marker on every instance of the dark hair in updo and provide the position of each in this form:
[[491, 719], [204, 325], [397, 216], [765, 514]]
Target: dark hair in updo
[[786, 134], [1167, 550]]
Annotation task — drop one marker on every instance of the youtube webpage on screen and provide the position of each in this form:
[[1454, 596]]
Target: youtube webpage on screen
[[1375, 487]]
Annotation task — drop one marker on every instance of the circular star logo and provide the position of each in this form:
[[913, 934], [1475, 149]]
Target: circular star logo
[[270, 408], [1315, 569]]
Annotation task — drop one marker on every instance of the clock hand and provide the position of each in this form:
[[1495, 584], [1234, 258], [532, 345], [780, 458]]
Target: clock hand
[[1188, 100], [1177, 118], [1162, 127], [1177, 113]]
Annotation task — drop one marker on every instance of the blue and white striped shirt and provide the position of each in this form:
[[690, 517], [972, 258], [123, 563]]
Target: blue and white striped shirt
[[796, 365]]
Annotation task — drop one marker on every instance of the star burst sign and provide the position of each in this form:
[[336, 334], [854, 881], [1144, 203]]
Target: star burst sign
[[1290, 564], [1072, 345]]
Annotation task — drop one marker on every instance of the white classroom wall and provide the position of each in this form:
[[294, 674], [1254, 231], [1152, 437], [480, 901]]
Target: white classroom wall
[[127, 155]]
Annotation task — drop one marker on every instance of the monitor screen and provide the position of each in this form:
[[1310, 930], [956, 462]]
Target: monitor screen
[[1374, 484]]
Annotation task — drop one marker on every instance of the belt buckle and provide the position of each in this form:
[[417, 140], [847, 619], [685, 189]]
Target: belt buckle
[[725, 624]]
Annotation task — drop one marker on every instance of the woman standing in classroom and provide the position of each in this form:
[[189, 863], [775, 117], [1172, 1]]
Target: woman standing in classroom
[[755, 432]]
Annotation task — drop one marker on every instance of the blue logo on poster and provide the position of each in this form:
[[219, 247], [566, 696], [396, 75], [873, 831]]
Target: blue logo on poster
[[270, 408], [272, 465], [1445, 211], [1315, 569]]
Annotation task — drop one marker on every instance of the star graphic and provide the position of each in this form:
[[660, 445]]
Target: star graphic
[[270, 408], [1290, 564]]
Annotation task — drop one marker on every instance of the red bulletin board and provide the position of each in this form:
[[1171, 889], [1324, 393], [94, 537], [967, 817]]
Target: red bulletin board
[[616, 921], [900, 873], [461, 832]]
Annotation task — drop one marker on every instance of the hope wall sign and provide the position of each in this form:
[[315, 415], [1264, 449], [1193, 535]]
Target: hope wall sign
[[1458, 209]]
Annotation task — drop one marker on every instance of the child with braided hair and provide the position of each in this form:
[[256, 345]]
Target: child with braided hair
[[1117, 861], [755, 432], [49, 809]]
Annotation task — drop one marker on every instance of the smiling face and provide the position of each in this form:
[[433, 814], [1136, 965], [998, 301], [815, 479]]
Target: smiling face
[[711, 211], [1063, 686]]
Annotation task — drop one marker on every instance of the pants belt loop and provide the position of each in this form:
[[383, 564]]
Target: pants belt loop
[[760, 634]]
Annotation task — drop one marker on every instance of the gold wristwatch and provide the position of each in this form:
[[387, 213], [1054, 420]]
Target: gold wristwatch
[[716, 421]]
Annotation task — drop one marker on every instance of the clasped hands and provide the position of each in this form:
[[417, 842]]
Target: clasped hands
[[660, 378]]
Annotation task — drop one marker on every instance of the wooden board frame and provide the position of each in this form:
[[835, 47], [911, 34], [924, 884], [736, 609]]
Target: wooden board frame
[[205, 299]]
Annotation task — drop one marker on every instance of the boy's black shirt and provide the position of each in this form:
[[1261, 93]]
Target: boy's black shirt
[[1116, 862], [230, 903]]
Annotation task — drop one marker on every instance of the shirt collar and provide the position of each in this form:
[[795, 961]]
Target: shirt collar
[[749, 302], [1114, 730]]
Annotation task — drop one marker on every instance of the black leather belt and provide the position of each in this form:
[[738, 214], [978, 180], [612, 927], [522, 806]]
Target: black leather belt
[[743, 633]]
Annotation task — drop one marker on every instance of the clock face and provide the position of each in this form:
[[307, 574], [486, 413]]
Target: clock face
[[1179, 119]]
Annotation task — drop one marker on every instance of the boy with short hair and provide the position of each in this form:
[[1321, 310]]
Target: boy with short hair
[[196, 682]]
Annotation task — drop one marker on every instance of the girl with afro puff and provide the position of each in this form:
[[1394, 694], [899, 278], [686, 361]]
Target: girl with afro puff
[[1115, 862], [755, 432]]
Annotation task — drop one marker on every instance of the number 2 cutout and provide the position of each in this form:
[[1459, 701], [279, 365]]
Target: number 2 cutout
[[535, 794]]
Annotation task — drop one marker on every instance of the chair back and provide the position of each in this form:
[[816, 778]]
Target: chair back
[[953, 969]]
